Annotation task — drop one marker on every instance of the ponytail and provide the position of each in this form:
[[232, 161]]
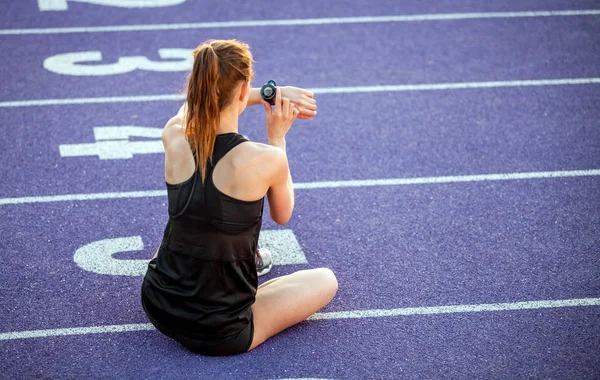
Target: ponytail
[[203, 112], [219, 66]]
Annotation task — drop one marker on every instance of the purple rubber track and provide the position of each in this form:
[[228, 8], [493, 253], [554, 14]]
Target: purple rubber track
[[390, 246]]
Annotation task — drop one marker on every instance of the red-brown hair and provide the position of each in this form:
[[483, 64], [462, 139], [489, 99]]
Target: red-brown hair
[[219, 67]]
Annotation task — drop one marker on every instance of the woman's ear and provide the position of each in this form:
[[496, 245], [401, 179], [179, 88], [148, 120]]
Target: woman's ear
[[245, 92]]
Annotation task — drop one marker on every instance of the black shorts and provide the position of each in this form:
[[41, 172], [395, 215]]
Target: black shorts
[[231, 345]]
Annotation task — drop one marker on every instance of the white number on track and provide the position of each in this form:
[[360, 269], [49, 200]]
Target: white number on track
[[76, 63], [112, 143], [97, 257], [62, 5]]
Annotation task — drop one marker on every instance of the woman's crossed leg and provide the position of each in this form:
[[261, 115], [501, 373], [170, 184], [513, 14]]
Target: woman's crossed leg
[[285, 301]]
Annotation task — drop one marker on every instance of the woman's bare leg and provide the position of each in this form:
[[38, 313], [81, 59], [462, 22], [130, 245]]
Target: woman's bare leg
[[290, 299], [267, 283]]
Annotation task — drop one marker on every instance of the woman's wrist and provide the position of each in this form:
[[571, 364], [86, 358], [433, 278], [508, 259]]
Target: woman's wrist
[[254, 98], [278, 142]]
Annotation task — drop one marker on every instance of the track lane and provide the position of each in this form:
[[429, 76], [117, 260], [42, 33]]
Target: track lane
[[558, 343], [358, 55], [27, 14], [354, 137], [395, 247]]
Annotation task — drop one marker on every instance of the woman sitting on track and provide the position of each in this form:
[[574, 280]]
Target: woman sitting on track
[[201, 286]]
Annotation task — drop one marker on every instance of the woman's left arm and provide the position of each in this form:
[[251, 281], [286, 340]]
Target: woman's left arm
[[303, 99]]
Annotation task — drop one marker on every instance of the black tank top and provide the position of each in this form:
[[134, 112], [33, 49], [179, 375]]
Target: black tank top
[[204, 279]]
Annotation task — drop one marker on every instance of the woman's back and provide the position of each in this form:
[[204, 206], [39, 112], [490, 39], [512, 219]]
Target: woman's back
[[204, 279]]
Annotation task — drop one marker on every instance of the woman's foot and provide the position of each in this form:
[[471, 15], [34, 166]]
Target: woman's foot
[[263, 261]]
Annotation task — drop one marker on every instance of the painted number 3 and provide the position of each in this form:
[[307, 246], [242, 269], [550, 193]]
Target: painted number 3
[[78, 63], [62, 5]]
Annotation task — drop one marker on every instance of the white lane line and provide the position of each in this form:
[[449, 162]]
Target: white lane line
[[321, 185], [456, 86], [83, 197], [408, 311], [75, 331], [301, 22], [526, 305], [446, 179], [109, 99], [322, 90]]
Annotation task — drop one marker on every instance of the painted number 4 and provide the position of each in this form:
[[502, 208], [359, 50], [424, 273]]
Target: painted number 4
[[62, 5], [112, 143]]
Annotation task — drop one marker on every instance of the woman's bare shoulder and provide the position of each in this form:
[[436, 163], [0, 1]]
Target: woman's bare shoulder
[[174, 131], [261, 157], [179, 160]]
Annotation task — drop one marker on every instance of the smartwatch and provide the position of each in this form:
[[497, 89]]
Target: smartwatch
[[268, 92]]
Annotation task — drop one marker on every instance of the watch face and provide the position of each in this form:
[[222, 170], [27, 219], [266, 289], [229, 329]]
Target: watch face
[[268, 91]]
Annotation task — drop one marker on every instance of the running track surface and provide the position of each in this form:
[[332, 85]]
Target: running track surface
[[398, 250]]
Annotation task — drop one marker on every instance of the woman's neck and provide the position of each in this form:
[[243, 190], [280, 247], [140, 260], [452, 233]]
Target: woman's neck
[[228, 122]]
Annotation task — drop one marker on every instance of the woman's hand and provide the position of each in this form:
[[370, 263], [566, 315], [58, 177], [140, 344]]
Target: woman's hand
[[304, 100], [281, 118]]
